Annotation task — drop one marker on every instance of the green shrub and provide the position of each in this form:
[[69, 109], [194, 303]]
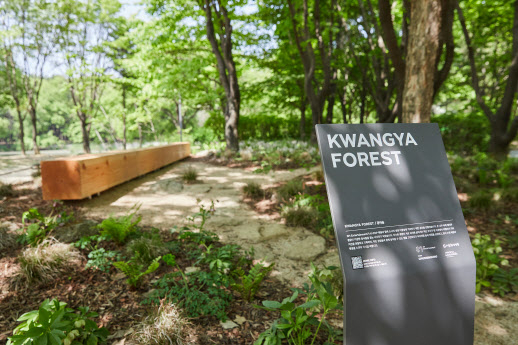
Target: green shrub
[[481, 199], [102, 259], [165, 326], [7, 241], [510, 194], [190, 175], [487, 256], [253, 190], [146, 249], [290, 190], [6, 190], [197, 293], [47, 261], [36, 226], [54, 324], [505, 281], [119, 228], [299, 323], [220, 259], [248, 284], [135, 271], [304, 216], [201, 238]]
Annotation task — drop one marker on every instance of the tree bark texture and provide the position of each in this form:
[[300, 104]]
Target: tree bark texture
[[217, 14], [423, 44]]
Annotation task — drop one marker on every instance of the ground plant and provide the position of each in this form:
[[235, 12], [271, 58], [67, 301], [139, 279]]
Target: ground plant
[[253, 190], [119, 229], [53, 323], [247, 284], [136, 271], [36, 226], [190, 175], [488, 258], [102, 259]]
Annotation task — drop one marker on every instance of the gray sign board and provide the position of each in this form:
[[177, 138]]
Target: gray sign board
[[408, 264]]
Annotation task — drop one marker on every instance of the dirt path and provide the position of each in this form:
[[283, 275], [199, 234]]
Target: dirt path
[[166, 202]]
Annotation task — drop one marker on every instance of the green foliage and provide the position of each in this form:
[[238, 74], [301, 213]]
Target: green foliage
[[310, 211], [6, 190], [248, 284], [510, 194], [304, 216], [135, 271], [505, 281], [197, 293], [199, 219], [487, 256], [36, 226], [299, 322], [146, 249], [119, 228], [102, 259], [253, 190], [289, 190], [462, 133], [55, 324], [190, 175], [481, 199], [202, 237], [220, 259]]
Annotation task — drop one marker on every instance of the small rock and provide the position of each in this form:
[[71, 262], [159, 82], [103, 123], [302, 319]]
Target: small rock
[[228, 325]]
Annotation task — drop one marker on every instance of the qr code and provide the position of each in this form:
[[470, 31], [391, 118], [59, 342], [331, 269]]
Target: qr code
[[357, 262]]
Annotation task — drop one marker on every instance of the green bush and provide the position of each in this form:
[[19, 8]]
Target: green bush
[[135, 271], [119, 228], [303, 216], [481, 199], [464, 134], [290, 190], [36, 226], [510, 194], [6, 190], [190, 175], [253, 190], [487, 256], [248, 284], [102, 259], [299, 323], [54, 324], [146, 248]]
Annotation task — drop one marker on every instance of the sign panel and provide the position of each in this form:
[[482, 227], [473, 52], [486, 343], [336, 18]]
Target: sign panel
[[408, 264]]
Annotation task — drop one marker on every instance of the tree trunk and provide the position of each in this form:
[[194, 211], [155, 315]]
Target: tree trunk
[[84, 132], [124, 138], [22, 132], [343, 104], [231, 122], [302, 129], [423, 44], [34, 124], [331, 103]]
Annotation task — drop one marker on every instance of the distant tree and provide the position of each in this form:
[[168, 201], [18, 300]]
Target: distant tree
[[495, 87]]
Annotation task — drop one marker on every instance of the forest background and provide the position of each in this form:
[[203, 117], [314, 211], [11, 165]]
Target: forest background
[[102, 74]]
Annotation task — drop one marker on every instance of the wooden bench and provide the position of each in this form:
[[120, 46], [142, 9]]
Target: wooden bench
[[79, 177]]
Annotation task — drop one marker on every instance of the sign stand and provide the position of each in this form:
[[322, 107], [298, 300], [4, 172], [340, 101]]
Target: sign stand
[[406, 257]]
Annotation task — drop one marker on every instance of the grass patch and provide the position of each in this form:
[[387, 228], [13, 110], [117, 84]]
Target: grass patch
[[253, 190], [7, 241], [47, 261], [304, 216], [190, 175], [6, 190], [481, 200], [510, 195], [146, 248], [164, 326], [290, 190]]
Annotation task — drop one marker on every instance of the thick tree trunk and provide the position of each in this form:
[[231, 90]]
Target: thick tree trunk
[[231, 123], [423, 44], [34, 124], [302, 128]]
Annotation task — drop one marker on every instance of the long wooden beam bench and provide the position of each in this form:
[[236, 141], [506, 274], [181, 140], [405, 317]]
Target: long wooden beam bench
[[79, 177]]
